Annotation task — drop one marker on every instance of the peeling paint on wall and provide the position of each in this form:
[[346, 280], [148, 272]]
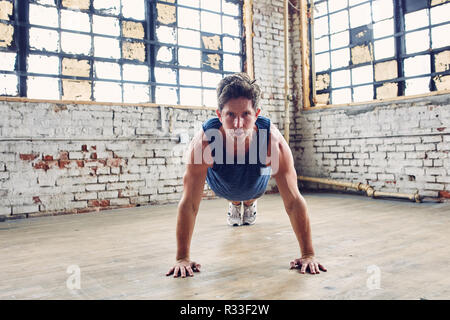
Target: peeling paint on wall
[[6, 10], [212, 43], [322, 81], [76, 89], [166, 13], [386, 70], [323, 98], [132, 29], [442, 61], [74, 67], [6, 34], [133, 51], [361, 54], [387, 90], [442, 82], [76, 4], [213, 61]]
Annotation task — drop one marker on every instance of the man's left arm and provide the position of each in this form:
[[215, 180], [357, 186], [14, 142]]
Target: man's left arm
[[295, 205]]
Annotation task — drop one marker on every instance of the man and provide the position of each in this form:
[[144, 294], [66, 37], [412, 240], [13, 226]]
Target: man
[[236, 153]]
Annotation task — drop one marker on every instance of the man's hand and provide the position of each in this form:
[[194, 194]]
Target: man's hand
[[307, 263], [184, 267]]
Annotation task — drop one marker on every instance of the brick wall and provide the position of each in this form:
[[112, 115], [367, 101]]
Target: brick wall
[[400, 146]]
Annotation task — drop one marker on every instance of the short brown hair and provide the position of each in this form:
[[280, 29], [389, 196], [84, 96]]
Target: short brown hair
[[236, 86]]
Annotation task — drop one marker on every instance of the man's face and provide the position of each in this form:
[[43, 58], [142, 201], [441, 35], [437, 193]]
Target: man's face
[[238, 117]]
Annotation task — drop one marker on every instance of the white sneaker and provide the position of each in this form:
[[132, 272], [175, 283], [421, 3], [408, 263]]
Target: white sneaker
[[249, 215], [234, 215]]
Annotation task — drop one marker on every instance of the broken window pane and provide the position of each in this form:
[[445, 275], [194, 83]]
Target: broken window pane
[[190, 96], [134, 9], [416, 20], [417, 86], [135, 72], [135, 93], [107, 91], [213, 5], [44, 39], [107, 70], [189, 38], [339, 40], [8, 84], [440, 36], [321, 45], [166, 95], [190, 77], [360, 15], [210, 98], [341, 96], [7, 60], [75, 43], [231, 63], [231, 26], [339, 21], [417, 65], [111, 7], [106, 48], [383, 28], [188, 18], [189, 3], [77, 21], [440, 14], [166, 34], [232, 45], [340, 78], [417, 41], [320, 9], [189, 57], [211, 79], [382, 9], [105, 25], [210, 22], [363, 93], [43, 16], [43, 88], [362, 75], [384, 48], [322, 62], [340, 58], [43, 64], [320, 27], [166, 75], [230, 8], [336, 5]]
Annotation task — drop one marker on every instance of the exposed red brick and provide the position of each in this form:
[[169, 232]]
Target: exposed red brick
[[64, 155], [94, 169], [94, 156], [47, 158], [441, 129], [94, 147], [63, 163], [58, 108], [444, 194], [41, 165], [28, 156], [80, 163], [36, 200], [84, 147], [98, 203], [116, 162]]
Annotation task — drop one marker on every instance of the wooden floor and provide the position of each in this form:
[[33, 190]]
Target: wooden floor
[[124, 254]]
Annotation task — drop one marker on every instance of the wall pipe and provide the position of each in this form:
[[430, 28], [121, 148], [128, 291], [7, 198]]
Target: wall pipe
[[370, 192]]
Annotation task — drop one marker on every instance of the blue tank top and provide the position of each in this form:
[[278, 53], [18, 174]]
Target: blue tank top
[[234, 178]]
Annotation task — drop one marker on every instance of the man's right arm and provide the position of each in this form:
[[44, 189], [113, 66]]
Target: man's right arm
[[193, 182]]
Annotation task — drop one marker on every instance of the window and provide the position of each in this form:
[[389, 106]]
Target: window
[[378, 49], [134, 51]]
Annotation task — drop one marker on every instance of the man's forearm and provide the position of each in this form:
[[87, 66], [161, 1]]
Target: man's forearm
[[185, 228], [298, 216]]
